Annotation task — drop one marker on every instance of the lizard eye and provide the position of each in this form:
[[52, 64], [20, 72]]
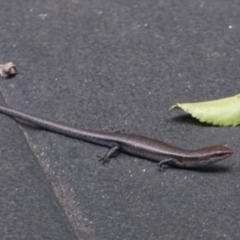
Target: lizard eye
[[220, 154]]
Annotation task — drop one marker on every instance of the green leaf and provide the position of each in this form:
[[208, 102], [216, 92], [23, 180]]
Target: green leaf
[[222, 112]]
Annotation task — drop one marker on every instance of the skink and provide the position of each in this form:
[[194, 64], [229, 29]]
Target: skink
[[140, 146]]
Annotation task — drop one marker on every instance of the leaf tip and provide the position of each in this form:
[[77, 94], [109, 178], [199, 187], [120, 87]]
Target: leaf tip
[[174, 107]]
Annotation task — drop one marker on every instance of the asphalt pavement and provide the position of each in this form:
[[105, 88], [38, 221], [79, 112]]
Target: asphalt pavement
[[116, 66]]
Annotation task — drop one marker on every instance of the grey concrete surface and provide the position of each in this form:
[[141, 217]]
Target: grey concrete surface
[[116, 65]]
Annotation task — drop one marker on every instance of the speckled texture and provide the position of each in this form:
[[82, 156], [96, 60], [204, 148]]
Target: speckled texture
[[121, 64], [28, 208]]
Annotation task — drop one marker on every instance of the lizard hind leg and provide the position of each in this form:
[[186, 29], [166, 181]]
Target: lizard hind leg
[[111, 153], [163, 162]]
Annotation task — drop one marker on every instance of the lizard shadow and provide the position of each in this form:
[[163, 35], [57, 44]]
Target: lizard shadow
[[208, 169], [28, 125], [10, 76]]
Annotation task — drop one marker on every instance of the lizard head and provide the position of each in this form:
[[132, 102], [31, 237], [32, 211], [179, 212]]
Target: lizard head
[[214, 153]]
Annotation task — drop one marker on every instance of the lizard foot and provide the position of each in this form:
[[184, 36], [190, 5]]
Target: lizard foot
[[105, 159]]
